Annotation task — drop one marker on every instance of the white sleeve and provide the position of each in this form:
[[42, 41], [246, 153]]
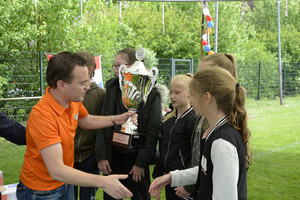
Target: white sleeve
[[184, 177], [225, 161]]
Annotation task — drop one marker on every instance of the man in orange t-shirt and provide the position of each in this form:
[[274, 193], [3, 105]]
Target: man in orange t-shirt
[[48, 172]]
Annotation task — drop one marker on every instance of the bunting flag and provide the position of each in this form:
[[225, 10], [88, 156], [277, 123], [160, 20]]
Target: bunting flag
[[97, 78]]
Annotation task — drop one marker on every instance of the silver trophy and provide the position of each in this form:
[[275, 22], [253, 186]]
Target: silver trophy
[[136, 84]]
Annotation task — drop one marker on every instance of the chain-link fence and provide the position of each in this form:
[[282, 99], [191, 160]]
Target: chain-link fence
[[22, 78]]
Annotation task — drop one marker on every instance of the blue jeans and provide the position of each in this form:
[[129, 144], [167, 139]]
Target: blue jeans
[[64, 192], [89, 165]]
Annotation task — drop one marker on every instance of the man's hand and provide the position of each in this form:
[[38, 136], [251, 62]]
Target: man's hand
[[114, 188], [104, 166], [181, 192], [137, 173], [121, 119]]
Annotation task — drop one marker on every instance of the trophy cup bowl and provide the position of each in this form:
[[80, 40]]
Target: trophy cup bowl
[[136, 84]]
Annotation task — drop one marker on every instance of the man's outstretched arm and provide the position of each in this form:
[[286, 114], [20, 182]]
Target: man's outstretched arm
[[53, 158]]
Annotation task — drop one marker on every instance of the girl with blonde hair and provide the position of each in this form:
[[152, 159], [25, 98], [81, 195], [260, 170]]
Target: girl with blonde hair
[[176, 132]]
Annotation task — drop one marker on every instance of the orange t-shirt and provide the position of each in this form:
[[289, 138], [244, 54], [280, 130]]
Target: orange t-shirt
[[49, 123]]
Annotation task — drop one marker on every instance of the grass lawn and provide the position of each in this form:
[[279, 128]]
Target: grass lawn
[[275, 172]]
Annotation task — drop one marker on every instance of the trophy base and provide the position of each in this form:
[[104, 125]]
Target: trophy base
[[130, 141]]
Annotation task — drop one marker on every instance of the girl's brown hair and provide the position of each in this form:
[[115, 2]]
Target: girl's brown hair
[[230, 97], [128, 54], [226, 61]]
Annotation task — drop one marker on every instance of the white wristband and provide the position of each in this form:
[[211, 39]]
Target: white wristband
[[113, 120]]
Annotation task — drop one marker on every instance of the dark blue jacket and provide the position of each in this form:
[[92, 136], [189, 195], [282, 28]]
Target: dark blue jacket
[[12, 131]]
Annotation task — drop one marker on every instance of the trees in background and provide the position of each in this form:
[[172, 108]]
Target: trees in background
[[165, 30], [54, 26], [169, 29]]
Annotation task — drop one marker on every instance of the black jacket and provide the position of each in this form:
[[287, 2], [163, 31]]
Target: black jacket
[[175, 143], [222, 131], [149, 122]]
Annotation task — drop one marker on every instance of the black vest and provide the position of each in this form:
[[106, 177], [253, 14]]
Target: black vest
[[204, 185]]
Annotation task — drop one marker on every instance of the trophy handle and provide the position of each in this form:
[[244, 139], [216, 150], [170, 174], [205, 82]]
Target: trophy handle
[[153, 79], [120, 75]]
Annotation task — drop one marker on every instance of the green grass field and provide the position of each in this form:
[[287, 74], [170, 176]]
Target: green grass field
[[275, 172]]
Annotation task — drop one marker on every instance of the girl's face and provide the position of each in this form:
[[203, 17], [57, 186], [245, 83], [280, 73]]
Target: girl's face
[[119, 60], [179, 94], [197, 101]]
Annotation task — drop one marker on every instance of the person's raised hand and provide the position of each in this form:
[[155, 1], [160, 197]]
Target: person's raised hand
[[114, 188], [158, 183], [121, 119]]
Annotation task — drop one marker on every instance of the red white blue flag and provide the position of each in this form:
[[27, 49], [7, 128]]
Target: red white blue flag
[[97, 78]]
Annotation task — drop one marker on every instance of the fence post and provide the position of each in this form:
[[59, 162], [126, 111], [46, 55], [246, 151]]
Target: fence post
[[279, 50], [283, 78], [172, 68], [192, 66], [41, 72], [259, 79]]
